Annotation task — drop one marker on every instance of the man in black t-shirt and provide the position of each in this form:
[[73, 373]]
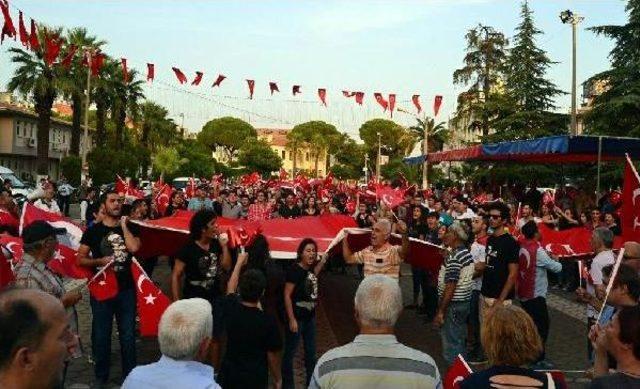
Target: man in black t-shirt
[[289, 210], [500, 271], [111, 242], [253, 338]]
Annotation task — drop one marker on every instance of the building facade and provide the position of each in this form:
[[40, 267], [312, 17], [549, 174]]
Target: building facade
[[18, 141], [306, 155]]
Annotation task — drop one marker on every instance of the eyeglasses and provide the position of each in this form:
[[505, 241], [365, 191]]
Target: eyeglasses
[[495, 217]]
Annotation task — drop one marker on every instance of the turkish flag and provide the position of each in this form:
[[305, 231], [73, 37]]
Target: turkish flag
[[322, 94], [34, 43], [416, 102], [391, 197], [104, 285], [8, 221], [6, 271], [24, 35], [151, 71], [574, 242], [296, 89], [218, 80], [196, 81], [163, 198], [52, 46], [12, 247], [124, 189], [630, 220], [392, 103], [359, 97], [64, 264], [125, 71], [190, 190], [457, 372], [437, 102], [346, 93], [151, 301], [96, 63], [66, 61], [182, 79], [251, 84], [71, 239], [273, 87], [283, 174], [381, 101], [8, 28]]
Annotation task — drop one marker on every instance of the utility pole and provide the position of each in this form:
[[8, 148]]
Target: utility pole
[[85, 142], [425, 164], [568, 17], [366, 168], [379, 154]]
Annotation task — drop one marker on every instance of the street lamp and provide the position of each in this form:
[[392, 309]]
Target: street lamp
[[569, 17], [378, 159]]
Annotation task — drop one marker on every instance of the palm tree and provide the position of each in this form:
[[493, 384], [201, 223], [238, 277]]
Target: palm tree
[[103, 96], [435, 136], [295, 141], [75, 80], [157, 130], [125, 101], [36, 80]]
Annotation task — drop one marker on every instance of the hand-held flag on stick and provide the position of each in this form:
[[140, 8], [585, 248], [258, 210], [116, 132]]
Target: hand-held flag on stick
[[218, 80], [179, 75], [630, 219], [458, 371], [612, 280], [151, 301]]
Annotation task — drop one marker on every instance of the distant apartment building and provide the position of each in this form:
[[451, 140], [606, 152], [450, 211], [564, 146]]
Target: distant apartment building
[[18, 139], [590, 90]]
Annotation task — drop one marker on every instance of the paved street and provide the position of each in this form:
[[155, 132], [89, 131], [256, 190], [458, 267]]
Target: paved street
[[566, 347]]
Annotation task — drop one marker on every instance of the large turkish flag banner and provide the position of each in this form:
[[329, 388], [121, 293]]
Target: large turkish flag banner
[[630, 219]]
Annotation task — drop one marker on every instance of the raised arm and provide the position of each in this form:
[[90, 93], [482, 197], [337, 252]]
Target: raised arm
[[347, 254], [232, 285], [131, 241], [402, 229]]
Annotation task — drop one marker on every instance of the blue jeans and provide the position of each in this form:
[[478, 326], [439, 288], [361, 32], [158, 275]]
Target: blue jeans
[[124, 308], [454, 330], [474, 322], [306, 329]]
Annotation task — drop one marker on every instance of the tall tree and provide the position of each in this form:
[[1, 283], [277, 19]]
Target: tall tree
[[103, 95], [395, 140], [35, 79], [482, 71], [529, 94], [295, 141], [617, 110], [74, 81], [227, 132], [157, 130], [126, 100], [320, 135], [258, 156]]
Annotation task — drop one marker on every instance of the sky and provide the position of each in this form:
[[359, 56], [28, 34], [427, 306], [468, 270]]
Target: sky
[[394, 46]]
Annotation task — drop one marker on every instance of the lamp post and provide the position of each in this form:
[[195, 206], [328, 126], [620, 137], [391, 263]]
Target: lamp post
[[568, 17], [85, 141]]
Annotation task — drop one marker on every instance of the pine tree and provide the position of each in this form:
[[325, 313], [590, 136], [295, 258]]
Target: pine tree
[[617, 110], [530, 96]]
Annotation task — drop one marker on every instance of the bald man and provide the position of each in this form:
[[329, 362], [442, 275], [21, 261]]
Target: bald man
[[36, 340], [381, 257]]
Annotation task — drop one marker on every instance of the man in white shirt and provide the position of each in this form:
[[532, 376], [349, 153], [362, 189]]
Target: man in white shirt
[[184, 334], [47, 203], [526, 215], [461, 208], [601, 243]]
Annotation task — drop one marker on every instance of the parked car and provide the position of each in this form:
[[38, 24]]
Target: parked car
[[19, 190], [181, 183]]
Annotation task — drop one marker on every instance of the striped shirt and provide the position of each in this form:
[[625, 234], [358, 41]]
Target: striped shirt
[[457, 267], [375, 361], [385, 260]]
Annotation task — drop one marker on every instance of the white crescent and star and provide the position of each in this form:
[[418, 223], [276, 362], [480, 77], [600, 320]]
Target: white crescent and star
[[141, 279], [9, 245]]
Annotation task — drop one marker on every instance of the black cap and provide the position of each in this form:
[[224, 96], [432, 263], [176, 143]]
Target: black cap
[[40, 230]]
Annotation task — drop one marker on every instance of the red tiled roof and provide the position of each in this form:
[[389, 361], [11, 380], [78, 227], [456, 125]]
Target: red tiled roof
[[278, 135]]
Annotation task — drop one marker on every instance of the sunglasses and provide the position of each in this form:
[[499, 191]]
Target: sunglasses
[[495, 217]]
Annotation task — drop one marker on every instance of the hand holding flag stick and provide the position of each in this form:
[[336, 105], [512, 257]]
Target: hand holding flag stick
[[612, 279]]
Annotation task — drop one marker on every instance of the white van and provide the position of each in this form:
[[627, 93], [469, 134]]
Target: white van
[[181, 183], [17, 187]]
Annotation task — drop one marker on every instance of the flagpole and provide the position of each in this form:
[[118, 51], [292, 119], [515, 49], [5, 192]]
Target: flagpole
[[614, 273], [99, 273]]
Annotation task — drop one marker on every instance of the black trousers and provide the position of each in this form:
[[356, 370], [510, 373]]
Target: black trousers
[[537, 309]]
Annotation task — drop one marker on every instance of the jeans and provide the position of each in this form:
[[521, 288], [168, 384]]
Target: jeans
[[474, 323], [123, 305], [419, 277], [454, 330], [64, 202], [306, 329], [537, 309]]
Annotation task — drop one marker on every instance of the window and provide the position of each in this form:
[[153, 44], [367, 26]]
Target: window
[[284, 154], [307, 156], [19, 128]]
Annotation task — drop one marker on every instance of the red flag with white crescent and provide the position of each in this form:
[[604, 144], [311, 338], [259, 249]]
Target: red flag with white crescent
[[163, 198], [182, 79], [251, 84], [630, 220], [34, 42], [391, 197], [359, 97], [151, 301], [458, 371], [437, 102], [66, 61], [151, 71], [24, 35], [383, 103], [322, 94], [8, 28], [392, 103], [6, 271], [218, 80], [104, 285]]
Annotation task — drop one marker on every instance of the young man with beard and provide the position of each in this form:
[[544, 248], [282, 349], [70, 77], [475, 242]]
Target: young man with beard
[[112, 239]]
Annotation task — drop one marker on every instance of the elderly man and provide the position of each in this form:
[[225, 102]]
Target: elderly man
[[381, 257], [375, 358], [184, 334], [200, 201], [601, 243], [36, 340]]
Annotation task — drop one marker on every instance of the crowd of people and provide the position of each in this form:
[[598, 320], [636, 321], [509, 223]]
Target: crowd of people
[[238, 317]]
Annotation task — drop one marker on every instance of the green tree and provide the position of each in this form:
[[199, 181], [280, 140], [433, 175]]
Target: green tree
[[396, 141], [227, 132], [320, 135], [125, 100], [74, 80], [157, 130], [617, 110], [295, 141], [103, 95], [483, 71], [70, 167], [348, 155], [34, 79], [197, 157], [258, 156], [530, 94]]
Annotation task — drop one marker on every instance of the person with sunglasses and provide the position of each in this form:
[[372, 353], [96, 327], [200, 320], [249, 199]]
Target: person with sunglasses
[[500, 269]]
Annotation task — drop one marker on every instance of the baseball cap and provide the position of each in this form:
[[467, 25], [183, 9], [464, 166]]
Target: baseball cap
[[40, 230], [445, 219]]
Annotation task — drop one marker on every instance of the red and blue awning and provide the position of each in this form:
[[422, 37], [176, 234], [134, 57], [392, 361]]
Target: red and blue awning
[[551, 149]]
